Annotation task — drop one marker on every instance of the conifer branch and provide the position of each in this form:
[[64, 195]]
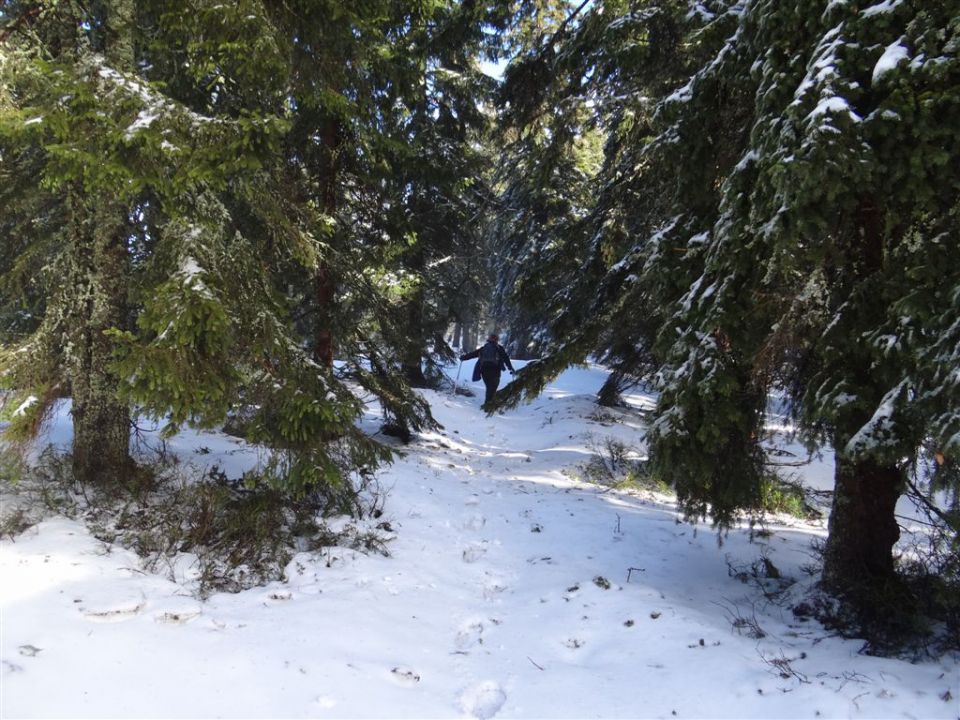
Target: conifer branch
[[28, 16], [929, 506]]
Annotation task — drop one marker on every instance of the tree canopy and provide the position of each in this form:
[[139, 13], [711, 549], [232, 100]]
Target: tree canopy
[[775, 217], [261, 212], [207, 202]]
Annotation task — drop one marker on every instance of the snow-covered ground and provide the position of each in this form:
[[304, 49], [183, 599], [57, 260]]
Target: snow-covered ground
[[512, 590]]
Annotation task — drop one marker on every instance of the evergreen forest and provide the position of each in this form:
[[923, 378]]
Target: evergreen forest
[[268, 216]]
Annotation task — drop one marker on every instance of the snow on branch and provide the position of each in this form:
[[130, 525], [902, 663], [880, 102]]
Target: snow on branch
[[155, 105], [891, 58]]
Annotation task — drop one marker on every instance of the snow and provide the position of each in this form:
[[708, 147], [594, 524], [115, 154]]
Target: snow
[[833, 104], [192, 274], [155, 104], [749, 158], [880, 430], [881, 8], [681, 95], [26, 405], [189, 268], [835, 4], [512, 590], [698, 11], [144, 119], [892, 56]]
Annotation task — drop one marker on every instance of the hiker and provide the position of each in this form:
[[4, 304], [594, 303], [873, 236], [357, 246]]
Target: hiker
[[491, 361]]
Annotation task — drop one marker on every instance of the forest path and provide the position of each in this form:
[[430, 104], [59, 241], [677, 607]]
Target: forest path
[[511, 590]]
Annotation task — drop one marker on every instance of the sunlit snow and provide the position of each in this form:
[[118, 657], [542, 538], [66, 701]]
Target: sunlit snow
[[512, 590]]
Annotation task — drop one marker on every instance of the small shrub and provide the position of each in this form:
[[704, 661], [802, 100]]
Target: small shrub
[[11, 465], [931, 571], [15, 521], [778, 495], [744, 624], [615, 464], [240, 532], [763, 574]]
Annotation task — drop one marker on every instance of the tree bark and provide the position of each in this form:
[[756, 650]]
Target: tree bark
[[862, 530], [457, 335], [469, 333], [609, 393], [324, 293], [100, 268], [858, 556], [325, 288], [411, 349]]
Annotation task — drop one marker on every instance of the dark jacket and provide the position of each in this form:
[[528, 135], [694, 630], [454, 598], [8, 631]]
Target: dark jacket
[[502, 362]]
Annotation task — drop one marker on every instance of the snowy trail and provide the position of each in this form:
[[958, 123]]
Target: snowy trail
[[506, 595]]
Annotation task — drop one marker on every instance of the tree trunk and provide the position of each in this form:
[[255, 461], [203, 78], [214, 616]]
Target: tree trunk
[[413, 348], [412, 362], [862, 528], [324, 293], [101, 421], [609, 393], [457, 335], [469, 334], [325, 288], [858, 557], [415, 377], [101, 274]]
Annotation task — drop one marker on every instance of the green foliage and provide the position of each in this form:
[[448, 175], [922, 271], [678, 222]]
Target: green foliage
[[243, 156], [12, 466], [15, 521], [23, 413], [240, 533], [614, 464], [780, 496], [776, 210]]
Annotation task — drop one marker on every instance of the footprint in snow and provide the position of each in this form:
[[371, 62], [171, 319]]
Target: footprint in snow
[[404, 676], [111, 606], [325, 702], [472, 500], [470, 634], [474, 552], [493, 587], [483, 700], [474, 522], [178, 613]]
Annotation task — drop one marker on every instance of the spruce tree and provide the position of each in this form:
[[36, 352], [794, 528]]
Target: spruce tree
[[383, 149], [783, 220], [183, 220]]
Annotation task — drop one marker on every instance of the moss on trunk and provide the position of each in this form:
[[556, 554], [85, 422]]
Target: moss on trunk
[[100, 269]]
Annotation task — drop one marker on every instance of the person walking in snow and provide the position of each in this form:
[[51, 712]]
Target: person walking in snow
[[492, 359]]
